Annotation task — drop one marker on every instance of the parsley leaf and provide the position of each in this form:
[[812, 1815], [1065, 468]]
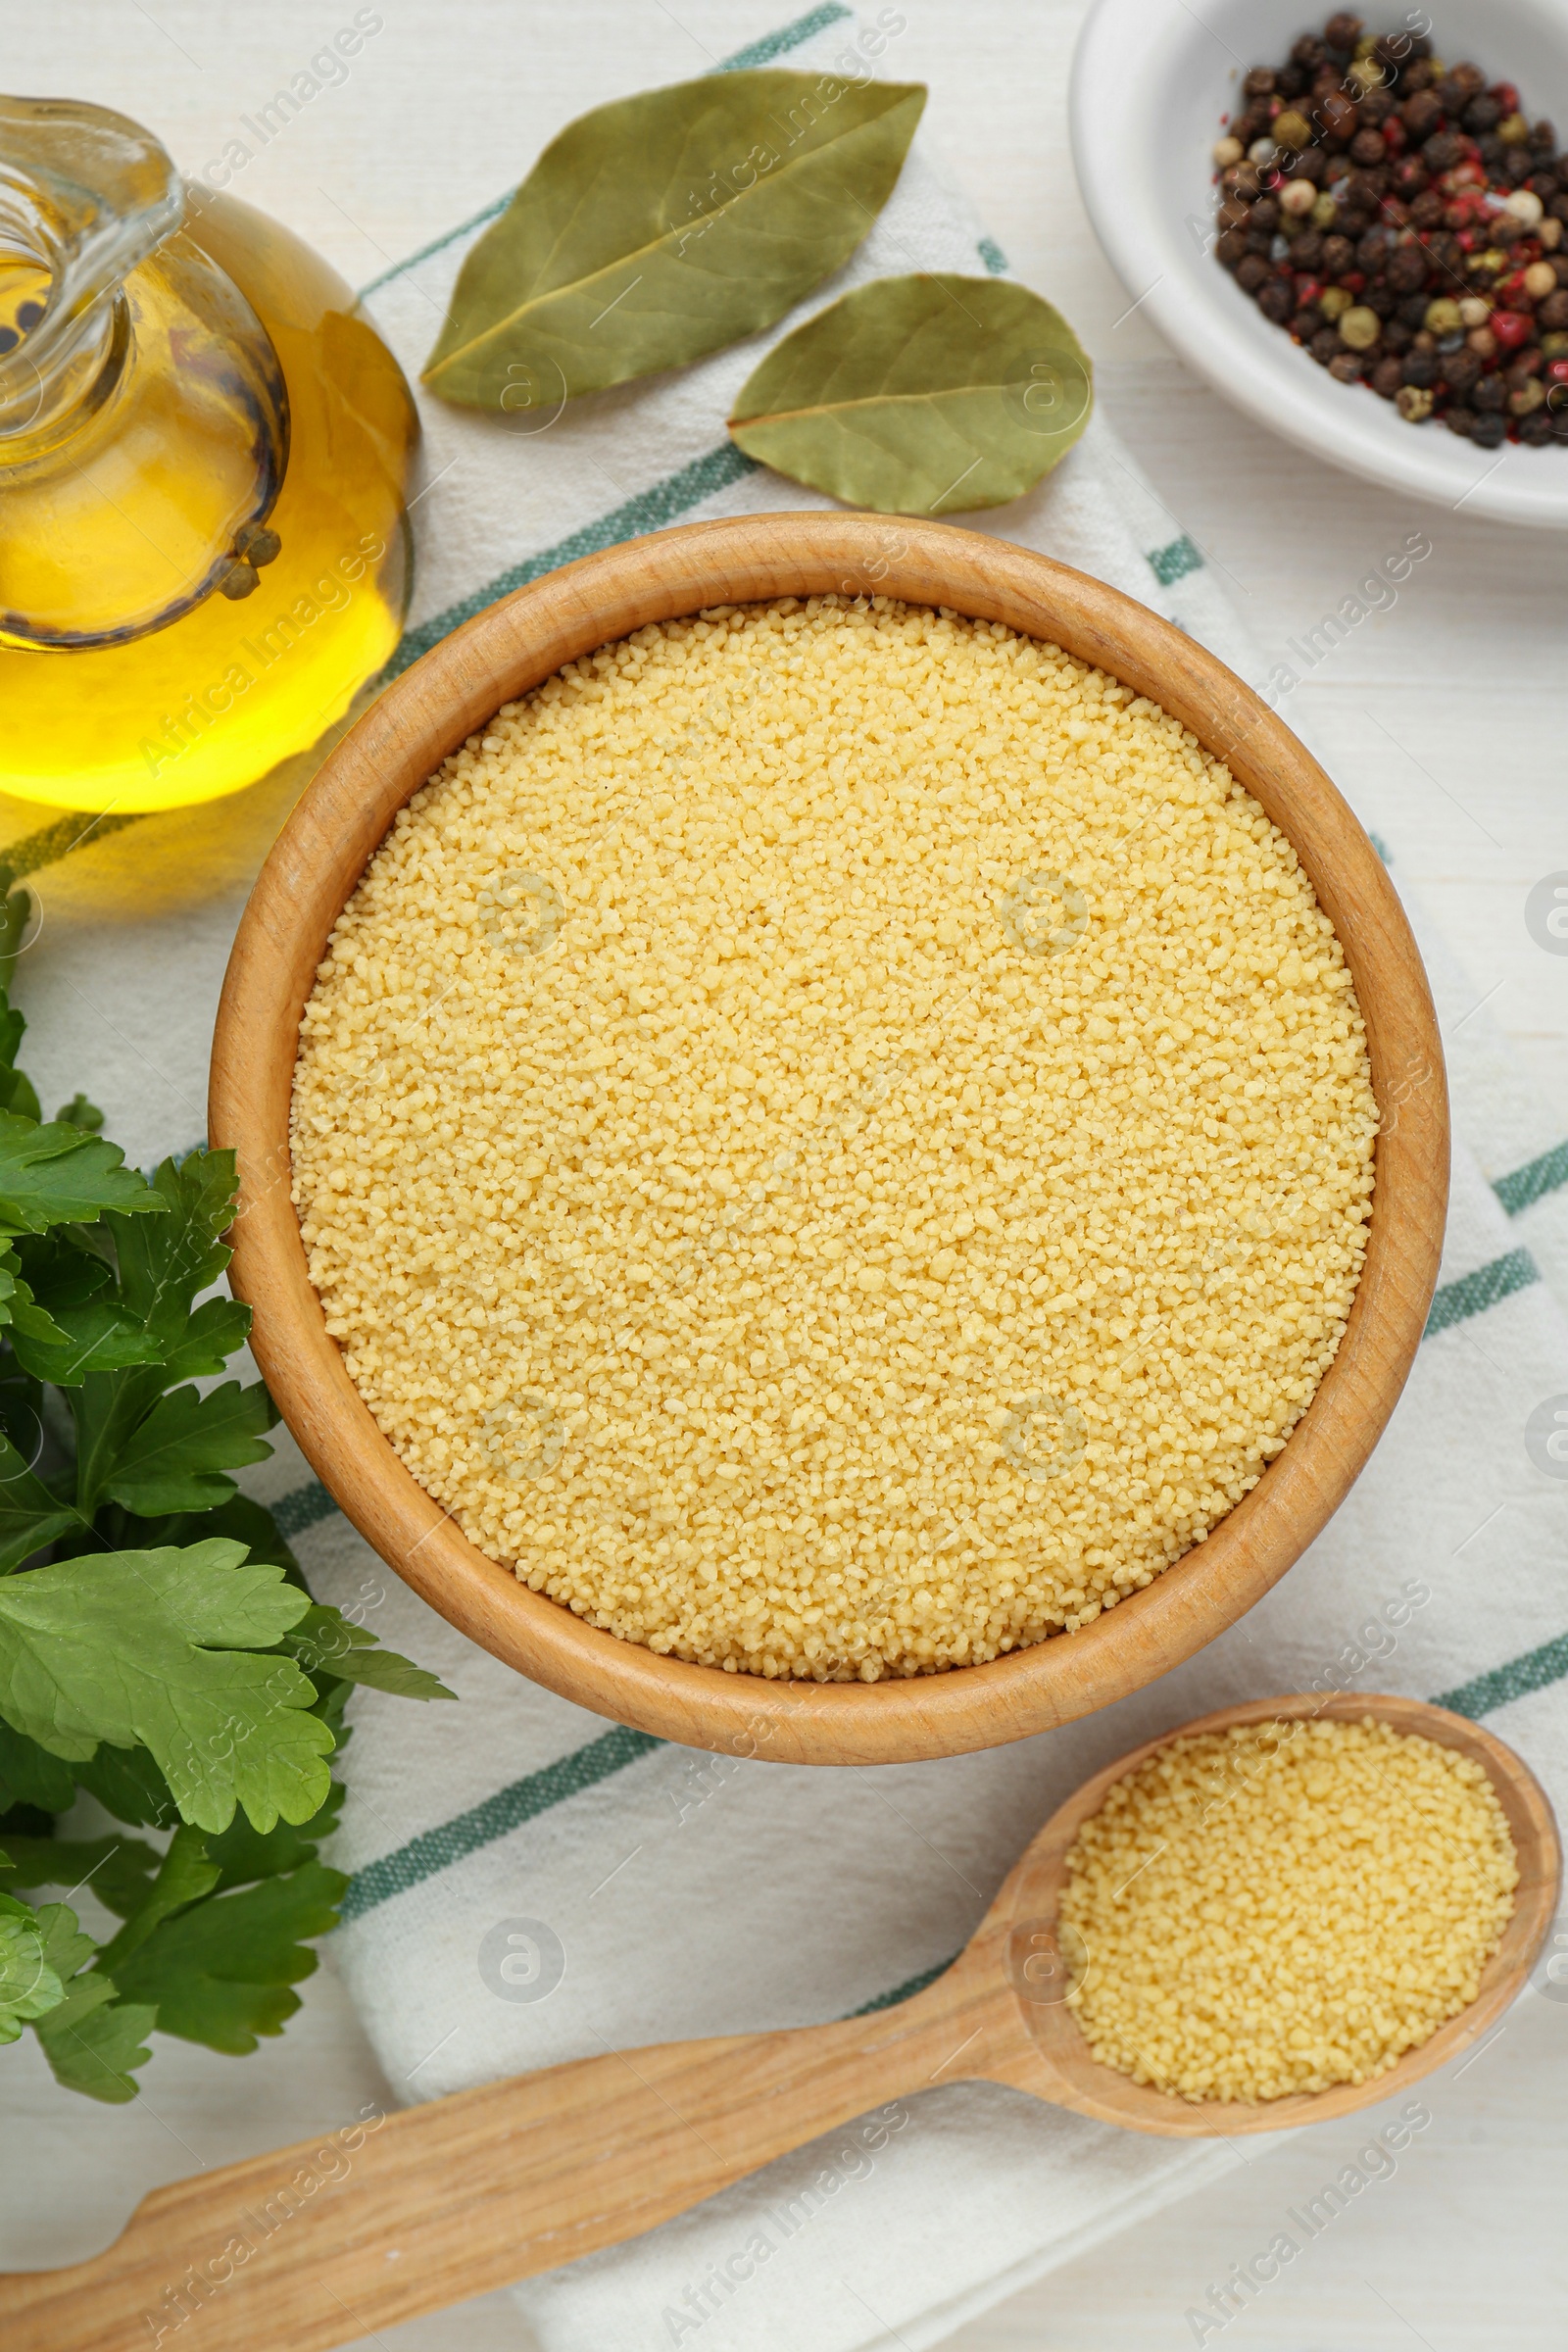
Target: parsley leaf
[[120, 1869], [30, 1775], [173, 1461], [243, 1853], [325, 1644], [93, 2039], [220, 1972], [148, 1649], [28, 1986], [50, 1175]]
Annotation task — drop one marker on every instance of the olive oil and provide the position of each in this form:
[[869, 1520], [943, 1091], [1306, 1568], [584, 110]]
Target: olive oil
[[309, 600]]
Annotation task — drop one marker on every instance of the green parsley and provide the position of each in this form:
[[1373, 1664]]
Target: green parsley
[[159, 1650]]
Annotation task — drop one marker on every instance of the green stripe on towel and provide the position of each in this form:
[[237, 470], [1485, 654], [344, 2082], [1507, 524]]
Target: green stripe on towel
[[1536, 1670], [301, 1508], [1534, 1181], [454, 1841], [1473, 1292], [787, 37], [648, 510], [758, 53], [904, 1992], [1173, 562]]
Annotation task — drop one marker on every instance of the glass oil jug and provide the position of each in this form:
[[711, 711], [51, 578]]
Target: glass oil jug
[[203, 464]]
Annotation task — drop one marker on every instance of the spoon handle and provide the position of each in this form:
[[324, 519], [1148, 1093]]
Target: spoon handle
[[318, 2244]]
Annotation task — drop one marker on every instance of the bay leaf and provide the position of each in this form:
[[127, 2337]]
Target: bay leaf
[[931, 394], [666, 225]]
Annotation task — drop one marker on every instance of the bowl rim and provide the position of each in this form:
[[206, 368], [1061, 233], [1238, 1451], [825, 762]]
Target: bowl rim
[[316, 860], [1127, 51]]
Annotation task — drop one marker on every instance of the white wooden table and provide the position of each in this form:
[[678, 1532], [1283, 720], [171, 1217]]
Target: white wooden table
[[1448, 719]]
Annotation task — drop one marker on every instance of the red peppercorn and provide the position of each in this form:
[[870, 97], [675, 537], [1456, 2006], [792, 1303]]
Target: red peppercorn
[[1507, 96], [1557, 371], [1511, 329]]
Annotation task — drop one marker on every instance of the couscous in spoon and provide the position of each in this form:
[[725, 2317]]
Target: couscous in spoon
[[325, 2242]]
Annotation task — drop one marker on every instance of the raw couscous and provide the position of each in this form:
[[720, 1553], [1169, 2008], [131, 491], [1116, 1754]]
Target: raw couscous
[[1285, 1906], [834, 1138]]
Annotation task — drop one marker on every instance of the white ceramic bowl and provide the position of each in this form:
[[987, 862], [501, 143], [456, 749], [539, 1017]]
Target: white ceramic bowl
[[1151, 80]]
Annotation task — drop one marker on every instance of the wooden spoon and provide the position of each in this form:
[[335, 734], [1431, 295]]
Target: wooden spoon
[[318, 2244]]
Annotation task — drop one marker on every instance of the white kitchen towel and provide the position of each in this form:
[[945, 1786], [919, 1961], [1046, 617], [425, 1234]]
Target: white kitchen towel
[[683, 1894]]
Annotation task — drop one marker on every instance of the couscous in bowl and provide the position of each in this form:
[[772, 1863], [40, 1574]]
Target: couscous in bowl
[[903, 1702]]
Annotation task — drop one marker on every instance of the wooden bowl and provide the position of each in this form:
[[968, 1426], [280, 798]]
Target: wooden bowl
[[318, 860]]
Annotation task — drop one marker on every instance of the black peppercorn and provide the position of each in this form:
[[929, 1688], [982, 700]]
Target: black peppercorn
[[1421, 116], [1443, 151], [1231, 248], [1413, 308], [1516, 165], [1536, 430], [1482, 114], [1347, 367], [1290, 81], [1266, 214], [1339, 255], [1460, 420], [1253, 273], [1420, 368], [1489, 431], [1306, 324], [1377, 106], [1552, 313], [1367, 147], [1461, 371], [1326, 346], [1308, 252], [1407, 269], [1543, 139], [1398, 335], [1277, 300], [1387, 377]]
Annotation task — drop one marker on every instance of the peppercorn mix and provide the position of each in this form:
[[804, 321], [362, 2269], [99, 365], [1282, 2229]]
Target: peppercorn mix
[[834, 1138], [1404, 219]]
